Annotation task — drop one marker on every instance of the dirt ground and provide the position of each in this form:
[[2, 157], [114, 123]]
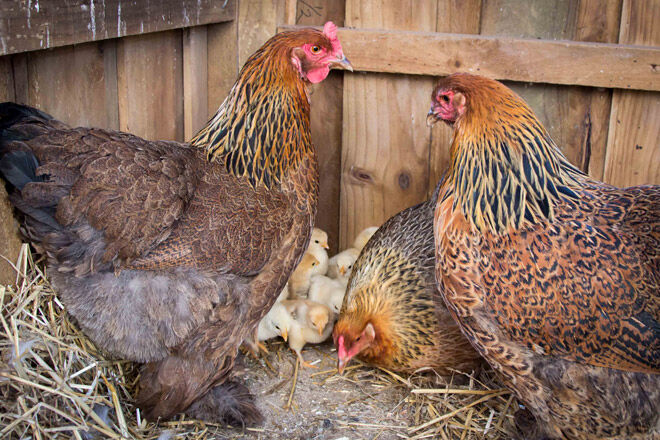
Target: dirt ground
[[359, 405]]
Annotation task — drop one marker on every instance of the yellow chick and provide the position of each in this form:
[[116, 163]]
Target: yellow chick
[[311, 323], [318, 246], [340, 265], [276, 323], [363, 237], [300, 278], [328, 291]]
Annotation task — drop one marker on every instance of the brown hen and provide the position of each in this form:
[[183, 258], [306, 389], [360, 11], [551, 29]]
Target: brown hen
[[171, 253], [553, 276], [389, 317]]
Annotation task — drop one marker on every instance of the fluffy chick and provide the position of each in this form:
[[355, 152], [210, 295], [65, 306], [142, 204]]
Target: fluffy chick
[[300, 278], [311, 323], [277, 322], [340, 266], [363, 237], [328, 291], [389, 316], [318, 246]]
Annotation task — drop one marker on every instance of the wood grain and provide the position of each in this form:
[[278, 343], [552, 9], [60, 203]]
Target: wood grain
[[10, 240], [257, 22], [195, 80], [326, 119], [503, 58], [150, 84], [69, 84], [222, 62], [52, 23], [633, 147], [6, 80], [385, 140]]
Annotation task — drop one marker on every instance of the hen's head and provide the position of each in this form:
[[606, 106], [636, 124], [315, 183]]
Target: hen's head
[[351, 337], [311, 53]]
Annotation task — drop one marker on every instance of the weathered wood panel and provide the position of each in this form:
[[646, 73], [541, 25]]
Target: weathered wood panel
[[257, 22], [6, 80], [326, 120], [195, 80], [222, 62], [385, 140], [150, 83], [26, 26], [10, 241], [633, 149], [69, 83], [503, 58]]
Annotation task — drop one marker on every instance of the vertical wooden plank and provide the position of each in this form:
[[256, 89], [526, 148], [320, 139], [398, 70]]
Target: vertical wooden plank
[[10, 242], [6, 80], [195, 80], [222, 62], [109, 48], [257, 21], [633, 147], [385, 140], [572, 115], [326, 120], [19, 65], [150, 83], [461, 17], [69, 83]]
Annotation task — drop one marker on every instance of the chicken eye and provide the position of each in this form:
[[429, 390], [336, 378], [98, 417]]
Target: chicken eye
[[316, 241], [445, 98], [316, 49]]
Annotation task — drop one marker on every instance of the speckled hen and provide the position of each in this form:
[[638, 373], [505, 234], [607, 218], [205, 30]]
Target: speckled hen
[[553, 276], [170, 253], [389, 315]]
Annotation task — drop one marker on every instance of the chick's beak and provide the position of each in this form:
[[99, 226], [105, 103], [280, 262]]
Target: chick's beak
[[342, 271], [431, 118], [285, 335], [324, 245], [342, 63]]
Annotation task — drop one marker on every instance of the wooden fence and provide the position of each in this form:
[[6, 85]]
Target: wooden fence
[[159, 69]]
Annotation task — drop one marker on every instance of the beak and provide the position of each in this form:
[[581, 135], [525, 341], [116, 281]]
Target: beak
[[342, 63], [324, 245], [320, 329], [285, 335], [342, 271], [431, 118], [341, 364]]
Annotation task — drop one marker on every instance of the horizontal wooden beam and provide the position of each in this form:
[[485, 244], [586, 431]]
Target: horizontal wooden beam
[[39, 24], [538, 61]]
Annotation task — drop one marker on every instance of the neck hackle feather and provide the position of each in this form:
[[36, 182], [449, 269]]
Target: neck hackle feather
[[262, 128], [505, 169]]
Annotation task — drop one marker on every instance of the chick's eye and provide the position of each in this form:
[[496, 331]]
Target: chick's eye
[[316, 241], [316, 49]]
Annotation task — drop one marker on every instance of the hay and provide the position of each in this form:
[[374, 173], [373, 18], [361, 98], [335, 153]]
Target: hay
[[56, 384]]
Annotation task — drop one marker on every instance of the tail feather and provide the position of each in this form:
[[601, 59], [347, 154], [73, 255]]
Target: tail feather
[[19, 168]]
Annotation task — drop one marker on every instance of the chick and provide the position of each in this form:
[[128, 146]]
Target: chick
[[300, 278], [318, 246], [340, 266], [363, 237], [276, 323], [311, 323], [328, 291]]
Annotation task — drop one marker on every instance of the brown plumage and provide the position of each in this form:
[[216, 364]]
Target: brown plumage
[[389, 315], [553, 276], [171, 253]]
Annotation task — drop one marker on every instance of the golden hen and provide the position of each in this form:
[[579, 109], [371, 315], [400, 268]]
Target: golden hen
[[170, 253], [553, 276], [389, 317]]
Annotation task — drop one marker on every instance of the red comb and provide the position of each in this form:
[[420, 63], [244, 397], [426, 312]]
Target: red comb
[[330, 31]]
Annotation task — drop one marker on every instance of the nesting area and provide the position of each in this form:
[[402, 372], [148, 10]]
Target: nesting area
[[55, 384]]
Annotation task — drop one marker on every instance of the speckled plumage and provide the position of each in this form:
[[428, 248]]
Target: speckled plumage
[[557, 287], [171, 253], [393, 287]]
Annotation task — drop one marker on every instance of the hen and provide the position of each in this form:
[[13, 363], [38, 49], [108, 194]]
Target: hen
[[553, 276], [389, 315], [170, 253]]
